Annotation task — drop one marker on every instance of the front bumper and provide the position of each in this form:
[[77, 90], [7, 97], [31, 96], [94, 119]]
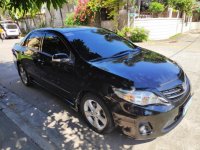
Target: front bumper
[[158, 123]]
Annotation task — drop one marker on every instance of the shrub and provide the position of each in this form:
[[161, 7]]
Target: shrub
[[156, 7], [134, 34], [83, 15], [125, 32], [70, 20], [139, 35]]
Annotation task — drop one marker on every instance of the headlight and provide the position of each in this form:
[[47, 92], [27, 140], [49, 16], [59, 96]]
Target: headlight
[[139, 97]]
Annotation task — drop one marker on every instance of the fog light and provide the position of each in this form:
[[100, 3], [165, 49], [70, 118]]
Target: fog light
[[145, 129]]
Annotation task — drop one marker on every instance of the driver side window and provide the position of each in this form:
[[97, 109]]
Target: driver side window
[[33, 41], [52, 44]]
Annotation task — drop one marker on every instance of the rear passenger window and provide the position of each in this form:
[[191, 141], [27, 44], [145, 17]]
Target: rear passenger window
[[52, 44], [34, 41]]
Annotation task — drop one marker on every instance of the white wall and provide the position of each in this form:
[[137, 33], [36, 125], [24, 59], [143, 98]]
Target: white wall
[[195, 25], [107, 24], [163, 28]]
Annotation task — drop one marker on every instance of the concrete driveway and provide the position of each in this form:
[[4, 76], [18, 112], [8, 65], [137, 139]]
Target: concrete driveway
[[47, 121]]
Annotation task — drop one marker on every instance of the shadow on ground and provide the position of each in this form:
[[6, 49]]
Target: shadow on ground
[[59, 124]]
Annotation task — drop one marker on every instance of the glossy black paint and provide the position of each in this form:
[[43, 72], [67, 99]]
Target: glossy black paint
[[145, 68], [97, 74]]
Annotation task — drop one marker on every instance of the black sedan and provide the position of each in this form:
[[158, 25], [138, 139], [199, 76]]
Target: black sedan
[[106, 78]]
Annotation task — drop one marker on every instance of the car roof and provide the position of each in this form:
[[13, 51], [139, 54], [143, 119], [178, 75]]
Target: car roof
[[8, 24], [66, 29]]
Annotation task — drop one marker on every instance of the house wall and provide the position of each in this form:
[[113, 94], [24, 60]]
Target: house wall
[[56, 20], [164, 28], [108, 24], [49, 20], [195, 25]]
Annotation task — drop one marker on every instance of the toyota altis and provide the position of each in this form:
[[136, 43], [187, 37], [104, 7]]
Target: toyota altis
[[110, 81]]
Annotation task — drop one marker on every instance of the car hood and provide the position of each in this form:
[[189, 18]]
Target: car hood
[[145, 68]]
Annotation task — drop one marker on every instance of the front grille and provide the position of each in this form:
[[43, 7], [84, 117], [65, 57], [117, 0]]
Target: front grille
[[175, 93]]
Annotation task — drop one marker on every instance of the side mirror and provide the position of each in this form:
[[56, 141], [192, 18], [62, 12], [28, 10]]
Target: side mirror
[[61, 57]]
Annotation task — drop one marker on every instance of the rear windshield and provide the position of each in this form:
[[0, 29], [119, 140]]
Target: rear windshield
[[98, 43], [11, 26]]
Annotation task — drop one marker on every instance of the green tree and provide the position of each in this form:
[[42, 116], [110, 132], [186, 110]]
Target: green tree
[[68, 2], [69, 21], [113, 6], [197, 8], [20, 14], [156, 7], [25, 5], [185, 6], [95, 6]]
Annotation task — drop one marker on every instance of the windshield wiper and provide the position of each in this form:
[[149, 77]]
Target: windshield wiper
[[122, 53]]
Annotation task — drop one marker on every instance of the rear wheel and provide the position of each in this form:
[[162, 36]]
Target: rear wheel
[[6, 37], [3, 36], [24, 75], [96, 114]]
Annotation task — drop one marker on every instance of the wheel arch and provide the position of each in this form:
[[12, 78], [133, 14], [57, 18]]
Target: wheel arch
[[111, 126], [98, 88], [97, 92], [82, 93]]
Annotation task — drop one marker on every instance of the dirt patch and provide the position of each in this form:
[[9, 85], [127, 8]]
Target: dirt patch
[[172, 41]]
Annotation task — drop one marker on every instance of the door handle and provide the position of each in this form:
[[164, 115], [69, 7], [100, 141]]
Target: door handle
[[40, 61]]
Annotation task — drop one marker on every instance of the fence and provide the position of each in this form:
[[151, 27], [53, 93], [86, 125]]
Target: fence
[[163, 28]]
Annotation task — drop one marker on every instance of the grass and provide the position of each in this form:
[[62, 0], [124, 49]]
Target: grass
[[175, 36]]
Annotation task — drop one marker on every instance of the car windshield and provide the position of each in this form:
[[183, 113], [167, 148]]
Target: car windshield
[[11, 26], [98, 43]]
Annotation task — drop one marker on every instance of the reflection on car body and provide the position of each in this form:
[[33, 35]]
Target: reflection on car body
[[108, 79]]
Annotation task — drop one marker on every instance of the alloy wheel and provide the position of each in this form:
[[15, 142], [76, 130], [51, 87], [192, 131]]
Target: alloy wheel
[[95, 114], [23, 75]]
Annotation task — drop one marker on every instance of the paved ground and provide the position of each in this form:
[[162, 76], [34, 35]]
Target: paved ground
[[46, 122], [12, 137]]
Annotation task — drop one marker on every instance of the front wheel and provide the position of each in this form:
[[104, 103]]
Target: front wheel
[[96, 114], [24, 75]]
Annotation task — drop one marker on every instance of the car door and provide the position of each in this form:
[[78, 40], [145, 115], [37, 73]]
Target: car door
[[57, 73], [30, 56]]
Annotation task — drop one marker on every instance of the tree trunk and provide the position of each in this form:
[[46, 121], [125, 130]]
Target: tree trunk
[[118, 15], [45, 19], [127, 3], [41, 20], [51, 19], [139, 6], [61, 16], [34, 22], [68, 10], [27, 26], [98, 19]]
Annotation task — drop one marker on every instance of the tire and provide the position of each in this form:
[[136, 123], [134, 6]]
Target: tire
[[6, 37], [3, 36], [96, 114], [25, 78]]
